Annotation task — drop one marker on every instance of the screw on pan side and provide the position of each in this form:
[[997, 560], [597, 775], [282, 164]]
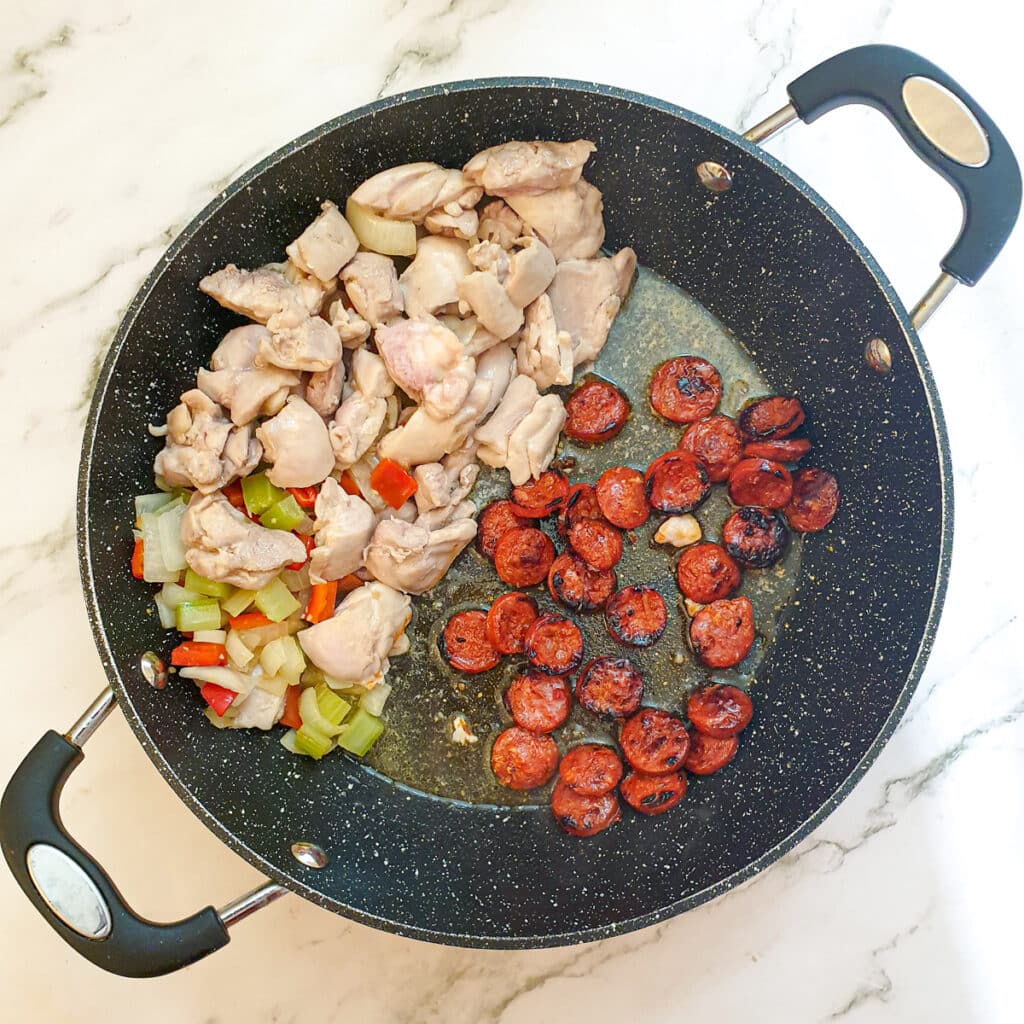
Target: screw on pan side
[[153, 670], [714, 177], [309, 854], [878, 356]]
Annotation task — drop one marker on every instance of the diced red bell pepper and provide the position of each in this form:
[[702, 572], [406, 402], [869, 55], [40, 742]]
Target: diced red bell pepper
[[309, 542], [348, 485], [305, 496], [137, 559], [233, 492], [248, 620], [218, 697], [291, 717], [349, 583], [322, 597], [199, 653], [392, 483]]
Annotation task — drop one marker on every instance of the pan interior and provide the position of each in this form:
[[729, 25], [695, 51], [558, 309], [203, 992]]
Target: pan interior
[[657, 322]]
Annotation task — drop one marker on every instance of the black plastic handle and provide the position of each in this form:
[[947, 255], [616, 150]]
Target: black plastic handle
[[991, 193], [134, 947]]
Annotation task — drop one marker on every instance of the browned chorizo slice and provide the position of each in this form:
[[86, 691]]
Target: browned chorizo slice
[[654, 742], [596, 411], [755, 537], [716, 442], [760, 482], [676, 482], [580, 503], [685, 389], [464, 643], [783, 449], [579, 587], [771, 417], [582, 815], [598, 543], [719, 711], [523, 760], [706, 573], [636, 616], [814, 502], [622, 497], [591, 769], [653, 794], [539, 498], [722, 632], [523, 556], [707, 754], [538, 702], [509, 619], [554, 645], [495, 520], [610, 687]]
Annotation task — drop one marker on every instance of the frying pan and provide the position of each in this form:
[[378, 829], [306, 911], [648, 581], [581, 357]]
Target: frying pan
[[712, 213]]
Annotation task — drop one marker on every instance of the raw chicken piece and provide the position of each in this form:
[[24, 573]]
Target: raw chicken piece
[[567, 219], [223, 544], [491, 257], [238, 348], [323, 390], [499, 223], [463, 225], [544, 352], [355, 427], [351, 327], [447, 515], [496, 367], [483, 293], [410, 557], [445, 483], [353, 645], [411, 191], [527, 168], [325, 246], [259, 294], [309, 344], [202, 448], [371, 284], [344, 525], [297, 443], [532, 444], [427, 362], [370, 375], [429, 283], [259, 709], [406, 512], [585, 296], [530, 271], [516, 404], [475, 338]]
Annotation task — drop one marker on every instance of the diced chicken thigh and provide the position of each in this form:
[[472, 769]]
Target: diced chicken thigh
[[223, 544], [530, 271], [344, 524], [259, 294], [496, 367], [446, 515], [491, 257], [532, 444], [445, 483], [258, 709], [202, 448], [427, 362], [585, 296], [310, 344], [500, 224], [371, 284], [430, 282], [475, 338], [463, 224], [351, 327], [323, 389], [567, 219], [528, 168], [353, 645], [544, 352], [297, 444], [516, 404], [370, 375], [484, 294], [411, 191], [325, 246], [410, 557], [355, 427], [238, 349]]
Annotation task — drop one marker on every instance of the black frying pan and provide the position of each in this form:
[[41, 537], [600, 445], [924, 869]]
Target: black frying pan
[[781, 271]]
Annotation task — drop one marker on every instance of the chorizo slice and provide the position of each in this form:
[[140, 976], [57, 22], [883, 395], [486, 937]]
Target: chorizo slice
[[782, 449], [814, 502], [760, 482], [598, 543], [538, 702], [636, 616], [522, 557], [610, 687], [464, 643], [622, 498], [653, 794], [722, 632], [494, 521], [654, 742], [596, 411], [707, 754], [539, 498], [580, 503], [522, 760], [707, 573], [676, 482], [581, 814], [755, 537], [554, 645], [777, 416], [719, 711], [591, 769], [685, 389], [508, 620], [716, 442], [571, 582]]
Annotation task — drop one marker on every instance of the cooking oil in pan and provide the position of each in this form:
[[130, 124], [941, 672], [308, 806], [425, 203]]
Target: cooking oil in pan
[[657, 322]]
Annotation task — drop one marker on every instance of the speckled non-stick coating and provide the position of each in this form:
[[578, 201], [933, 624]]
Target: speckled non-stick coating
[[780, 269]]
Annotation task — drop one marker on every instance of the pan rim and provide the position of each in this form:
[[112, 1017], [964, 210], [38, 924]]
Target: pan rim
[[744, 874]]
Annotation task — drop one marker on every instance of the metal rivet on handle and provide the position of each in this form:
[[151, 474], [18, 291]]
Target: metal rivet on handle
[[714, 177], [153, 670], [309, 854], [878, 356]]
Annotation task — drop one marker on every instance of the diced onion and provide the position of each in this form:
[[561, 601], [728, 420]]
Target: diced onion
[[360, 472], [173, 595], [309, 712], [210, 636], [154, 570], [169, 524], [151, 502], [238, 654], [240, 682], [166, 614], [379, 234], [274, 685], [374, 700]]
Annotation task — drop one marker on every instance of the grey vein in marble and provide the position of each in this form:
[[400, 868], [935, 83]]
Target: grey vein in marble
[[23, 65]]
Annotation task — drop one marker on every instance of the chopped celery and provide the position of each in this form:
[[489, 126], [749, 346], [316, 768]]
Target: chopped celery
[[288, 741], [208, 588], [275, 600], [360, 732], [166, 613], [169, 528], [173, 595], [259, 493], [238, 601], [285, 514], [374, 700], [238, 653], [154, 569], [311, 714], [150, 503], [332, 707], [309, 741], [195, 615], [210, 636]]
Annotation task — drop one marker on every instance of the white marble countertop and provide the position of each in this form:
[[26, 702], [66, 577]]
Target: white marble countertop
[[118, 121]]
